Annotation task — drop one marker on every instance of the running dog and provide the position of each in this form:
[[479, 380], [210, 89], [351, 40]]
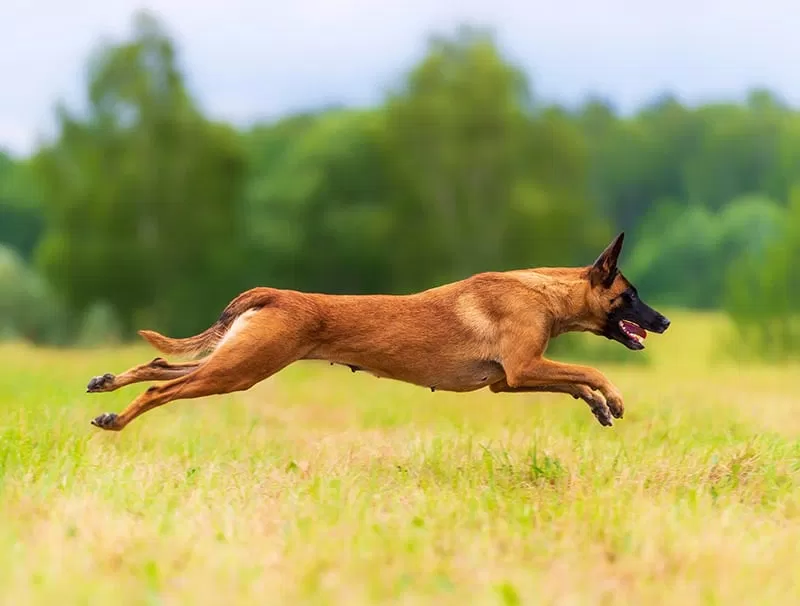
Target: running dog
[[488, 330]]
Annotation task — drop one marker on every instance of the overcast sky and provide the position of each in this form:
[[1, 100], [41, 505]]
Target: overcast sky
[[247, 59]]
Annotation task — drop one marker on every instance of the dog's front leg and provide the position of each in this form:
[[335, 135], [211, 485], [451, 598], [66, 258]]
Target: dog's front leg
[[540, 372], [595, 400]]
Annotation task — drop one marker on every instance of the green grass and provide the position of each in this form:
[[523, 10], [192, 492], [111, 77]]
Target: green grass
[[327, 487]]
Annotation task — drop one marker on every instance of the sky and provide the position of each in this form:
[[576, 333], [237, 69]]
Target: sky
[[247, 60]]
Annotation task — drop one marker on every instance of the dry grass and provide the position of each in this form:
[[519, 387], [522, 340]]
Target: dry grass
[[324, 486]]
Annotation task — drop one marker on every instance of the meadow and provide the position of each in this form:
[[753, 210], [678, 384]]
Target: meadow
[[323, 486]]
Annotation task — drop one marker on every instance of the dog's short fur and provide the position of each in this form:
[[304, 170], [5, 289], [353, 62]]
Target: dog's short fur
[[491, 329]]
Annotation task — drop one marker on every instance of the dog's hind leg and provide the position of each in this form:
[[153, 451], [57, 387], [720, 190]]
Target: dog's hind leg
[[595, 400], [268, 342], [156, 370]]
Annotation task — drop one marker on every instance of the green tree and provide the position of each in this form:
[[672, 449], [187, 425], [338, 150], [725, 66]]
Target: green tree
[[739, 152], [682, 254], [763, 291], [29, 310], [480, 177], [317, 211], [21, 219], [638, 162], [142, 193]]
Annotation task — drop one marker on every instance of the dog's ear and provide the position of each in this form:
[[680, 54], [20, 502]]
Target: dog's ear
[[604, 269]]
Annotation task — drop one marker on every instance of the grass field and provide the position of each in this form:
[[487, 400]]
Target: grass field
[[323, 486]]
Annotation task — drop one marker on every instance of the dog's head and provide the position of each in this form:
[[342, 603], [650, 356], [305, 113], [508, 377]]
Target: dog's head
[[616, 310]]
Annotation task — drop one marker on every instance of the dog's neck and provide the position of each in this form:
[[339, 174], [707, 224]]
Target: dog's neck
[[569, 299]]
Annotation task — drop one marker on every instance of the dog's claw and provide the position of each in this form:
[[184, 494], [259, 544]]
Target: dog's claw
[[100, 383], [107, 420]]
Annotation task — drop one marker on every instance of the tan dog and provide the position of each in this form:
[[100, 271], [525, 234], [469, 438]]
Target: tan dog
[[491, 329]]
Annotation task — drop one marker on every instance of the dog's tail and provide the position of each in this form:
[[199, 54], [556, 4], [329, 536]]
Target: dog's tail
[[206, 341]]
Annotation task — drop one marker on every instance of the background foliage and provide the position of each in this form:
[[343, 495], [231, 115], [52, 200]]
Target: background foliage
[[142, 211]]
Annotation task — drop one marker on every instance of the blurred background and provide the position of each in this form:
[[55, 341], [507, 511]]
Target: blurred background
[[157, 160]]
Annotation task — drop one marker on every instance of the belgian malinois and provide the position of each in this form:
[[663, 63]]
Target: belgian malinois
[[490, 329]]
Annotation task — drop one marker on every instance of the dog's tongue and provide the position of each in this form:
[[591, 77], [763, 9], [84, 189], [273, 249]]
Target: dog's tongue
[[635, 329]]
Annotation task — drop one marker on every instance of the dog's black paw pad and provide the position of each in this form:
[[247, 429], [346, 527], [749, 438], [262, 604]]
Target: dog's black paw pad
[[100, 383], [107, 420]]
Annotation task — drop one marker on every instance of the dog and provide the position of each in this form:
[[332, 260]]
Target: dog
[[488, 330]]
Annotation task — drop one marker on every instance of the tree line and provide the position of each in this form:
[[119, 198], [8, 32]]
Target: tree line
[[145, 212]]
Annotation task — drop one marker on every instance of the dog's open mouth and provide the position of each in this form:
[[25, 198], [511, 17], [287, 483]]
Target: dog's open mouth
[[633, 331]]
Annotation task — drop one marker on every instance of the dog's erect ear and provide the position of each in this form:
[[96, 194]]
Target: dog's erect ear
[[604, 269]]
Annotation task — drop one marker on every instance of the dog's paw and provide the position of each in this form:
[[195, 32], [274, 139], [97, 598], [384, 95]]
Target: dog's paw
[[615, 403], [597, 404], [100, 383], [601, 413], [107, 420]]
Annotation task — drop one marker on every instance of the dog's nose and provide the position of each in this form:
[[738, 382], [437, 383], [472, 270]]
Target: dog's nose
[[665, 323]]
